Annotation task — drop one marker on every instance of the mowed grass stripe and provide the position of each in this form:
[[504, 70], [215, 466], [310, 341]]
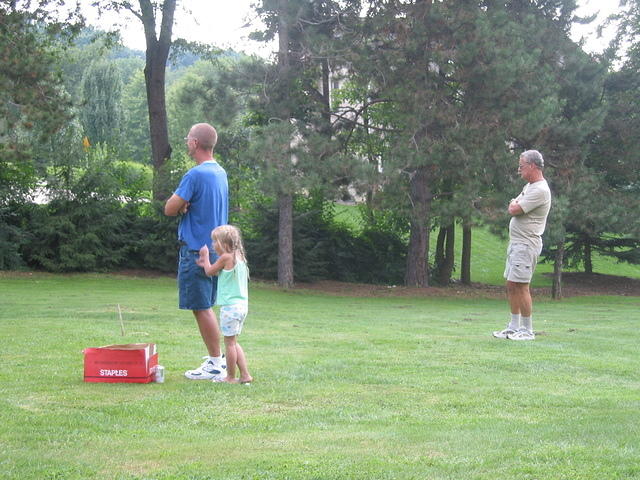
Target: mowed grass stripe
[[346, 388]]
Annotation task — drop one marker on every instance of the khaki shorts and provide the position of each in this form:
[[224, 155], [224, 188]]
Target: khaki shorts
[[521, 262]]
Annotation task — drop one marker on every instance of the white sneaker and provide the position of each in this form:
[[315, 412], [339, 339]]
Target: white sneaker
[[522, 335], [504, 333], [208, 370]]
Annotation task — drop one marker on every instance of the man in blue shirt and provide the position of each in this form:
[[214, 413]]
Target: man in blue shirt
[[202, 200]]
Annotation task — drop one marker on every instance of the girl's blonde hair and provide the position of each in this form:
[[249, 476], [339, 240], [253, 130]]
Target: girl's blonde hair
[[230, 241]]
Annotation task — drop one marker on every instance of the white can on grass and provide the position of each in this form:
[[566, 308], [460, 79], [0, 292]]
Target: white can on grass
[[159, 376]]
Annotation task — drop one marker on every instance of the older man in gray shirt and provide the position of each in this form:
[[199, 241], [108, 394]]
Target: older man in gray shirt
[[528, 212]]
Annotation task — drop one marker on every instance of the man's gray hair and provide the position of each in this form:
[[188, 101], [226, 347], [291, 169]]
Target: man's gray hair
[[533, 156]]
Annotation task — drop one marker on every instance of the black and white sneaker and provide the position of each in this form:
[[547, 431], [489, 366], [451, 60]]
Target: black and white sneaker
[[522, 335], [504, 333], [209, 370]]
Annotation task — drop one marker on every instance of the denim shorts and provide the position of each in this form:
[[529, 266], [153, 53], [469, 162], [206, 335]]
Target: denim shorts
[[232, 318], [521, 262], [196, 290]]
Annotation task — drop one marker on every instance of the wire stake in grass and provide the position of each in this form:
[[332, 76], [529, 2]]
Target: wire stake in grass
[[121, 322]]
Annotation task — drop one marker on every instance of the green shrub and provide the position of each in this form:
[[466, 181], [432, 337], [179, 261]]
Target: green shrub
[[324, 248], [12, 237], [75, 236], [153, 244], [374, 254], [97, 235], [260, 229]]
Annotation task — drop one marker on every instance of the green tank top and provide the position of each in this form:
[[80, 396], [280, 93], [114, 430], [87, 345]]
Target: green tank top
[[233, 285]]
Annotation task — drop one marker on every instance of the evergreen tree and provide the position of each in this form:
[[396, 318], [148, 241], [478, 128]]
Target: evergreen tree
[[295, 109], [614, 229], [102, 103], [460, 80], [34, 105], [566, 144]]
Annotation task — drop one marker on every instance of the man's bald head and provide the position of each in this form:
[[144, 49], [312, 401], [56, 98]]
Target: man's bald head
[[205, 134]]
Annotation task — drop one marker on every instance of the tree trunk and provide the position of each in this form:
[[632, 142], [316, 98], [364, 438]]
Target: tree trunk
[[326, 99], [588, 260], [285, 199], [438, 258], [556, 290], [371, 189], [445, 259], [449, 255], [285, 240], [417, 269], [154, 74], [465, 267]]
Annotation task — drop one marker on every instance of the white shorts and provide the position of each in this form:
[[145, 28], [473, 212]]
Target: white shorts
[[232, 318], [521, 262]]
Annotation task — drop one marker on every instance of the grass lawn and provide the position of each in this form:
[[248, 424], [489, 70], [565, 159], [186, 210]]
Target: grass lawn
[[346, 388]]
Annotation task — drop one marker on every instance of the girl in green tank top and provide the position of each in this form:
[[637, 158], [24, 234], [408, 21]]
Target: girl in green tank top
[[232, 295]]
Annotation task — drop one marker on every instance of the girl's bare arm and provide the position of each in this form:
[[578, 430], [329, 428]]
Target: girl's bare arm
[[213, 269]]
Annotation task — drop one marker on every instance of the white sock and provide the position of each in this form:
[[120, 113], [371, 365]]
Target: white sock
[[527, 324], [514, 324], [215, 360]]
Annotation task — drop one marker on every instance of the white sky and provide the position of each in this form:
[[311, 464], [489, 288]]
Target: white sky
[[604, 8], [223, 23], [227, 23]]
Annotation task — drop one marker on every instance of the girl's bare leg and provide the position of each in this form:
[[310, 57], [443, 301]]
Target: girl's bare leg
[[231, 357], [235, 356], [241, 360]]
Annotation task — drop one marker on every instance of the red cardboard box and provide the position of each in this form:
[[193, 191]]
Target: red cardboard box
[[132, 363]]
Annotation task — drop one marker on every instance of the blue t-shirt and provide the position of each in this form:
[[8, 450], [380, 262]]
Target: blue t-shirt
[[205, 188]]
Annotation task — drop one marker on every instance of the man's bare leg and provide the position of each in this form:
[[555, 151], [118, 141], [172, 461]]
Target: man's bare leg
[[521, 304], [519, 297], [209, 331]]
